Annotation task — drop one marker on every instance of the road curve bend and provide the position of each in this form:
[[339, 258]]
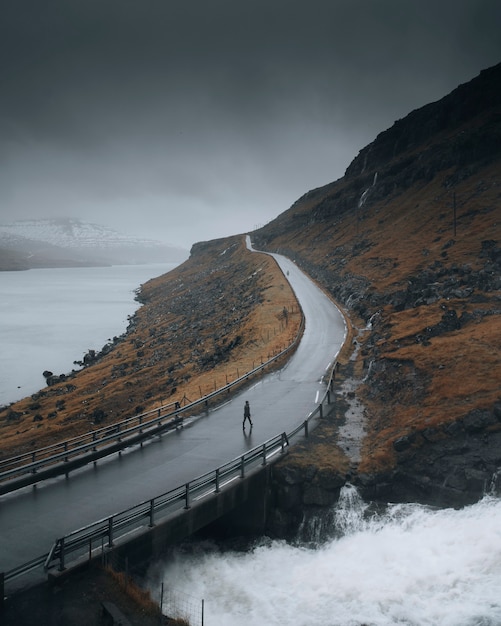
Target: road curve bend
[[32, 518]]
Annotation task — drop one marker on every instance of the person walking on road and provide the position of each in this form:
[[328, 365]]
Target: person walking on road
[[247, 414]]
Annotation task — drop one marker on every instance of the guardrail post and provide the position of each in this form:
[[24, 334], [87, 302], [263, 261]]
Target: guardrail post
[[94, 439], [110, 532], [66, 450], [306, 428], [217, 480], [264, 454], [285, 442], [2, 588], [187, 496], [152, 512], [61, 555], [321, 410], [34, 470], [328, 396], [242, 467]]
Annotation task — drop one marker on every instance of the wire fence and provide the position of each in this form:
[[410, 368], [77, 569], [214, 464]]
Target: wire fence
[[174, 605], [179, 605]]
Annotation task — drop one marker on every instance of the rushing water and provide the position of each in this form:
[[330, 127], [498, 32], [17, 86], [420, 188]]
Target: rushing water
[[410, 565], [50, 318]]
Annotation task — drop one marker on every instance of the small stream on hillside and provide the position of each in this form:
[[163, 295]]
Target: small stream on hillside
[[407, 564]]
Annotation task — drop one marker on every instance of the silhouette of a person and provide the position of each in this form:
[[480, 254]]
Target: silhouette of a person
[[247, 414]]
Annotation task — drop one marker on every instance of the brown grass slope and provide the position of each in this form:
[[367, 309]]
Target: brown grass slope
[[384, 242], [213, 318]]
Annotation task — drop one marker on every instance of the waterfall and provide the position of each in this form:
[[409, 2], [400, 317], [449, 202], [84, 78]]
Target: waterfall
[[404, 564], [364, 195]]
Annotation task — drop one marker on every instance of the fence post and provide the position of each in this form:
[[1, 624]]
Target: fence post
[[152, 513], [61, 555], [187, 496], [110, 532]]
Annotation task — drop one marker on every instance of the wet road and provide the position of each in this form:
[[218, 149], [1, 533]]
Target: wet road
[[31, 519]]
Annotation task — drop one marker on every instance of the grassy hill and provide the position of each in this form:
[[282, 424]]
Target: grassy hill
[[213, 318], [409, 241]]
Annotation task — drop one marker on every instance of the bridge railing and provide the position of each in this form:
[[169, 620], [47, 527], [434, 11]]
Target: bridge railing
[[102, 533], [140, 427], [107, 530]]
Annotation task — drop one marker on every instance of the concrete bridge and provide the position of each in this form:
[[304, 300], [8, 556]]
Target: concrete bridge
[[284, 402]]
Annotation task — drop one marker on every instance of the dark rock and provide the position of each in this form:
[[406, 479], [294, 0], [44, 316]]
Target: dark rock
[[98, 416], [403, 443], [478, 419]]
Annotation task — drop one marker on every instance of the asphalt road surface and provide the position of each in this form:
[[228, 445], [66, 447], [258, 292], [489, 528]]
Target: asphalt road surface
[[32, 518]]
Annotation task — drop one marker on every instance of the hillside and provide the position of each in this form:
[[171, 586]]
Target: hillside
[[213, 318], [408, 243]]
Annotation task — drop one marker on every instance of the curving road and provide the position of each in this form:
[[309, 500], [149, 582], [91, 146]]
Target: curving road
[[31, 519]]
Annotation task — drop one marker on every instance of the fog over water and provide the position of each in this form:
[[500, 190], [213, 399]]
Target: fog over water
[[410, 565], [50, 318]]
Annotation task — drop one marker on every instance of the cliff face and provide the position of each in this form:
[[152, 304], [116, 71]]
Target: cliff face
[[409, 241]]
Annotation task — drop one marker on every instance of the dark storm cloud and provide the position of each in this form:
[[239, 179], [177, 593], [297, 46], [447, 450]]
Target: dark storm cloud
[[196, 119]]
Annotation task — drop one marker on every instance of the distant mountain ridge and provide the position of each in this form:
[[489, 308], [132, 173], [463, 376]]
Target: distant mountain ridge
[[67, 242]]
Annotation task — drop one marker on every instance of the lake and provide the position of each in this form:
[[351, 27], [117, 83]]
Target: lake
[[50, 318]]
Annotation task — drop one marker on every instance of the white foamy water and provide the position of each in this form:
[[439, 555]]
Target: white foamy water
[[50, 318], [409, 566]]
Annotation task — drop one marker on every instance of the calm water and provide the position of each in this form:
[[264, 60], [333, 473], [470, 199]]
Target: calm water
[[50, 318], [411, 566]]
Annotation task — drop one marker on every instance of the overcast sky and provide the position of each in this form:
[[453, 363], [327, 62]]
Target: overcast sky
[[188, 120]]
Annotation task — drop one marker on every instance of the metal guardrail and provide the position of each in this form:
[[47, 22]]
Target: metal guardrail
[[132, 430], [107, 530], [93, 536], [86, 540]]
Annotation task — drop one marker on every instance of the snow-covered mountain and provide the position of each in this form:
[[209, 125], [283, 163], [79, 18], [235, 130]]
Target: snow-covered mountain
[[69, 242]]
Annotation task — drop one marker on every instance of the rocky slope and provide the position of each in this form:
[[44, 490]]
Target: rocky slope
[[206, 323], [409, 241]]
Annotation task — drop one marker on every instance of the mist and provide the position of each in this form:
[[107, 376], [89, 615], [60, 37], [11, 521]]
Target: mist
[[191, 121]]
